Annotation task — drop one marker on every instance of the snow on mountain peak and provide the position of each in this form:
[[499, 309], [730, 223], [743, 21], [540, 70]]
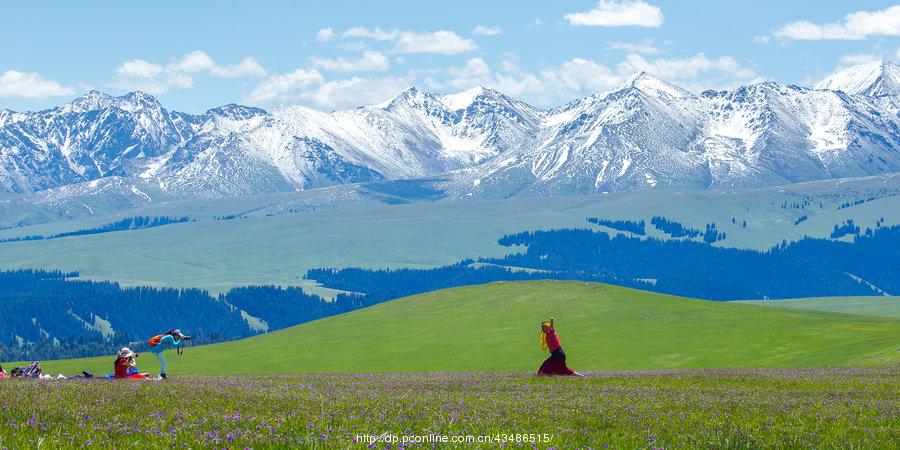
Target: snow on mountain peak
[[90, 101], [137, 100], [877, 78], [462, 100], [650, 84]]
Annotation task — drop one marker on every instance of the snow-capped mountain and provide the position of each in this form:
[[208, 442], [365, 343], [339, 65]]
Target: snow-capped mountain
[[874, 79], [93, 137], [234, 150], [649, 134], [645, 134]]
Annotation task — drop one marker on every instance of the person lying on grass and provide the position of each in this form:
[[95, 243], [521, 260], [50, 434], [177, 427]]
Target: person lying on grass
[[126, 366], [556, 363]]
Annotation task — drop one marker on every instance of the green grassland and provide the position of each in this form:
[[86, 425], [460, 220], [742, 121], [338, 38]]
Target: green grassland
[[869, 306], [276, 245], [819, 408], [494, 327]]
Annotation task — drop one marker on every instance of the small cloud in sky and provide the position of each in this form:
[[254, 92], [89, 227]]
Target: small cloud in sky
[[369, 61], [611, 13], [536, 22], [645, 47], [487, 31], [406, 41], [325, 35]]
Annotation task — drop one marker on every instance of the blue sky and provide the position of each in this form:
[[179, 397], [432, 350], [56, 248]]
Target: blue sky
[[332, 55]]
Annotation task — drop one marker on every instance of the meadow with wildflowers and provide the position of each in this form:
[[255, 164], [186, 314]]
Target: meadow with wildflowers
[[662, 372], [733, 408]]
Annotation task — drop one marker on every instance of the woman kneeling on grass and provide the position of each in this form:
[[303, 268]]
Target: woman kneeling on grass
[[556, 363]]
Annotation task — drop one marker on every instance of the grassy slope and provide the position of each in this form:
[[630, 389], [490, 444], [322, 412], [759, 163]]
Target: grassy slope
[[495, 327], [869, 306]]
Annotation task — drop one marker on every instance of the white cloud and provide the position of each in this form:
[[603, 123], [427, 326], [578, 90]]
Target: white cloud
[[487, 31], [695, 73], [854, 26], [536, 22], [762, 39], [198, 61], [356, 91], [579, 77], [309, 88], [248, 67], [325, 35], [611, 13], [369, 61], [441, 41], [858, 58], [276, 87], [157, 79], [139, 68], [14, 83], [645, 47], [444, 42], [376, 33]]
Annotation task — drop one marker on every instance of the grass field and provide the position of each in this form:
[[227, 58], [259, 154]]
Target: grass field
[[275, 246], [494, 327], [821, 408], [869, 306]]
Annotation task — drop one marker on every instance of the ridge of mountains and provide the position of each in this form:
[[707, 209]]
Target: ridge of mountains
[[645, 134]]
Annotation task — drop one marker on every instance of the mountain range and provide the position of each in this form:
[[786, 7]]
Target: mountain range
[[645, 134]]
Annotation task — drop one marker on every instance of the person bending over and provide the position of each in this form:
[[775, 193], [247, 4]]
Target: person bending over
[[168, 340]]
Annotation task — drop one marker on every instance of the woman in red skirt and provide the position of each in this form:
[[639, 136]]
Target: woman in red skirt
[[556, 363]]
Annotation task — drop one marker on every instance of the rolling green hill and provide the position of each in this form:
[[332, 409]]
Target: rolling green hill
[[494, 327]]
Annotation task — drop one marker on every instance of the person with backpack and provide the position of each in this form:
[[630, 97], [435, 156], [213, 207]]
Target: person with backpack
[[168, 340], [556, 363]]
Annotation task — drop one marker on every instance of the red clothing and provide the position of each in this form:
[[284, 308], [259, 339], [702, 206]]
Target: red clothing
[[552, 341], [121, 370], [556, 365]]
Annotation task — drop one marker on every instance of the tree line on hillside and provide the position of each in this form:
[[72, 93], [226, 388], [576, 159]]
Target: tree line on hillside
[[810, 267], [44, 315], [128, 223], [631, 226], [386, 284]]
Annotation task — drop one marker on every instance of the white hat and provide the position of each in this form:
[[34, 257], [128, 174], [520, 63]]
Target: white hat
[[126, 353]]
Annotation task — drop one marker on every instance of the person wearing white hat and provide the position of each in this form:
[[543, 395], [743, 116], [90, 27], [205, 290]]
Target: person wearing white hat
[[126, 366]]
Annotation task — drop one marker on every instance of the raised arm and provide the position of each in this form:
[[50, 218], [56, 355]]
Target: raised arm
[[551, 323]]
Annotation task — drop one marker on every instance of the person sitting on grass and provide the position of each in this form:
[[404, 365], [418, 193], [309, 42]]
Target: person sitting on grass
[[556, 363], [126, 366], [170, 339]]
